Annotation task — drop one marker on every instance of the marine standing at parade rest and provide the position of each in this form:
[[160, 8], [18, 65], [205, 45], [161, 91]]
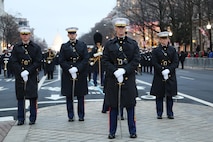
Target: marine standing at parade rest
[[73, 59], [50, 64], [165, 62], [120, 58], [26, 59]]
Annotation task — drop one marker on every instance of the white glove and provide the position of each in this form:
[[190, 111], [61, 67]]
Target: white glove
[[74, 75], [5, 61], [165, 72], [91, 63], [120, 79], [25, 78], [100, 53], [166, 77], [96, 54], [73, 70], [24, 73], [119, 72]]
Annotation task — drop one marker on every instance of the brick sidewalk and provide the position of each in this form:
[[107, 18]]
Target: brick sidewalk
[[192, 123]]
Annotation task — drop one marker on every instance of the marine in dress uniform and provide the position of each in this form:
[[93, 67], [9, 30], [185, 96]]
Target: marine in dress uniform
[[26, 58], [73, 59], [165, 62], [120, 58]]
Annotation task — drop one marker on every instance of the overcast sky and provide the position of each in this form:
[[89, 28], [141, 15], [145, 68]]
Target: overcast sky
[[51, 17]]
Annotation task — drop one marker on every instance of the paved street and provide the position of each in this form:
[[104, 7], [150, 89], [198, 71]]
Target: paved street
[[193, 120], [192, 123]]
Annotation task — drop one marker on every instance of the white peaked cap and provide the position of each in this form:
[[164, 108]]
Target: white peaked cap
[[163, 34], [72, 29], [120, 22], [24, 30]]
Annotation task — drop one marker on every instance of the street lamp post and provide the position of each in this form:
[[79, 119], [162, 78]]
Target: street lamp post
[[210, 35]]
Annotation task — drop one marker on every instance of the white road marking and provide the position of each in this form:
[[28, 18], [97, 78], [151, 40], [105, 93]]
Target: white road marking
[[2, 88], [189, 78], [143, 82], [7, 118], [140, 87], [196, 99], [41, 81], [55, 97], [8, 109], [182, 94], [51, 88]]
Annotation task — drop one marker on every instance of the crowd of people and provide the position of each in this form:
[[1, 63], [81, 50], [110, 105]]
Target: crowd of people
[[201, 54]]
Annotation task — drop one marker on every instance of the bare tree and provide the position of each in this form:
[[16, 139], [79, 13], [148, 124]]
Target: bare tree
[[104, 27], [9, 29]]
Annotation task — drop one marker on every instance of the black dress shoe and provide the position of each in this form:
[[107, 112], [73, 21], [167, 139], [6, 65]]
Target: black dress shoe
[[171, 117], [70, 120], [81, 119], [31, 122], [133, 136], [159, 117], [111, 136], [20, 123]]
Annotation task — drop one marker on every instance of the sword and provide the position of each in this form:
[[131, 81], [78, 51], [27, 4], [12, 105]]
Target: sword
[[99, 66], [119, 106], [73, 91], [25, 89]]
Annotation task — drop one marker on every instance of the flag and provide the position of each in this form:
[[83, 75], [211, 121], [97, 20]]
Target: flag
[[203, 32]]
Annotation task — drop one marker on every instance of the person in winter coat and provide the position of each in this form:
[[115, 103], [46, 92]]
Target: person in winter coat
[[26, 59], [73, 59], [182, 58], [121, 57], [165, 62]]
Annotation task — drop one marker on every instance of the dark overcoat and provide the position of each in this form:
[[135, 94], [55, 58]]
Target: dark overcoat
[[70, 58], [95, 67], [50, 61], [110, 58], [164, 58], [26, 58]]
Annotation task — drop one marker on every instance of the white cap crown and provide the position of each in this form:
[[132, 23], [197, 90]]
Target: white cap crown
[[120, 22], [72, 29], [24, 30], [163, 34]]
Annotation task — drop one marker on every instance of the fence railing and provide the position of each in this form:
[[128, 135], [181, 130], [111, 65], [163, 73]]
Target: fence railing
[[205, 63]]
